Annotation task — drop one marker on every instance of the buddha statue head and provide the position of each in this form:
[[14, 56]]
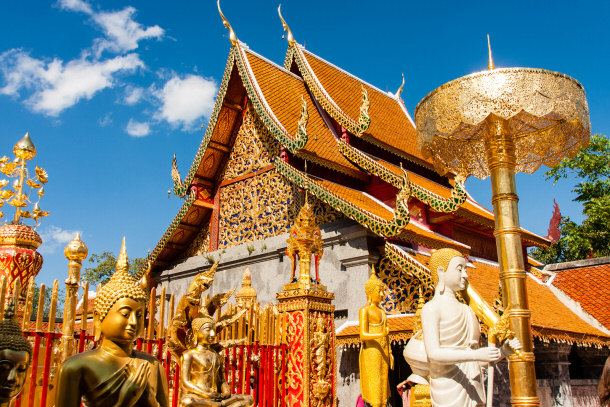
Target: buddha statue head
[[204, 329], [448, 269], [120, 305], [15, 356], [374, 289]]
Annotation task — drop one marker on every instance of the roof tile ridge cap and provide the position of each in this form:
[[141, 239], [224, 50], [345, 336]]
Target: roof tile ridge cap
[[362, 81], [577, 309], [577, 264], [275, 65]]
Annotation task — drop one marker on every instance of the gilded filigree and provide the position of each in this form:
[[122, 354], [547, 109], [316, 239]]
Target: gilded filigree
[[255, 208], [254, 147], [201, 243], [402, 295]]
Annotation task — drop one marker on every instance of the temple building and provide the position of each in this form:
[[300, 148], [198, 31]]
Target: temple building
[[278, 133]]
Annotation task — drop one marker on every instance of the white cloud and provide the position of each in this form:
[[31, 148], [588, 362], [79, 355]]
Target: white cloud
[[137, 129], [122, 32], [133, 95], [185, 100], [58, 85], [106, 120], [75, 5], [54, 237]]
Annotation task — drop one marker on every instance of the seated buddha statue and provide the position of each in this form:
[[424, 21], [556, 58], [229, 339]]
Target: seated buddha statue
[[202, 378], [451, 337], [114, 374], [375, 355], [15, 357]]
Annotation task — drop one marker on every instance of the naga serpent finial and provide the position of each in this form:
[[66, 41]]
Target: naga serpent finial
[[290, 37], [402, 85], [226, 23], [490, 65]]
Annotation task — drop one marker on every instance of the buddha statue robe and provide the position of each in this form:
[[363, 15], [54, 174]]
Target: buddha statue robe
[[458, 384], [374, 363]]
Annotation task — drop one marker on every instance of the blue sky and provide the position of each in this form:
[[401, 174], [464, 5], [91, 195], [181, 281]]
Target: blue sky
[[110, 91]]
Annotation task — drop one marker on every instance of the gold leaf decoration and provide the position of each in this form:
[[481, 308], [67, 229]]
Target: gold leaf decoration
[[6, 194], [3, 183], [25, 214], [3, 160], [1, 214], [18, 203], [8, 168], [41, 174], [33, 184]]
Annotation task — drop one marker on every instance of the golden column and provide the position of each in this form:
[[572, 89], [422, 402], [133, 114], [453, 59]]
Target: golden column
[[498, 122], [307, 315], [76, 252]]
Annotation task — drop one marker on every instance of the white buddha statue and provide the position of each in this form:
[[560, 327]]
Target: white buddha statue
[[451, 337]]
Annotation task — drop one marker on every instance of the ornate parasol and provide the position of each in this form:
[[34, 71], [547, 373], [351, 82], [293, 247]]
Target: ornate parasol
[[498, 122]]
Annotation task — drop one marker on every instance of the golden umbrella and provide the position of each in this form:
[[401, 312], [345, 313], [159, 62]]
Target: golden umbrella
[[498, 122]]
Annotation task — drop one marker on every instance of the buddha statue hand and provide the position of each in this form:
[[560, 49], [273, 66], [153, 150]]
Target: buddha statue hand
[[488, 354], [512, 345], [135, 384]]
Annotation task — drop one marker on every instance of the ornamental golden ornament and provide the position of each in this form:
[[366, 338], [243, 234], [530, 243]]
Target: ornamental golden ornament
[[498, 122]]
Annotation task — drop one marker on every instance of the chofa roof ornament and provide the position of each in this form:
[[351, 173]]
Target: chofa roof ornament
[[290, 37], [226, 23]]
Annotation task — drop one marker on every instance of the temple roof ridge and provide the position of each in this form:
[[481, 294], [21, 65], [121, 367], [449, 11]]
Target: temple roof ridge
[[275, 65], [386, 93]]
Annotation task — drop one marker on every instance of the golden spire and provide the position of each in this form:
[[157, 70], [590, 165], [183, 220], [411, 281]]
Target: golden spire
[[121, 285], [290, 37], [402, 85], [490, 64], [24, 148], [121, 264], [226, 23]]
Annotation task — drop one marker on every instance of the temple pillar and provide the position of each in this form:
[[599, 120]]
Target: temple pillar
[[307, 316], [553, 369]]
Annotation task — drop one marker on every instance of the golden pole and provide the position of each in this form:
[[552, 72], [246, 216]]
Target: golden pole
[[75, 252], [500, 150]]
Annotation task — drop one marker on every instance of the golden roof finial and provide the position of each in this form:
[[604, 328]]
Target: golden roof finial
[[402, 85], [490, 64], [290, 37], [25, 148], [226, 23]]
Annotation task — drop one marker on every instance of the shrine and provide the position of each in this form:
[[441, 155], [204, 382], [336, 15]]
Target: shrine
[[321, 231]]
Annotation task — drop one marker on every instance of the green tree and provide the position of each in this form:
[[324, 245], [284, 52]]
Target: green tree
[[591, 167], [105, 266]]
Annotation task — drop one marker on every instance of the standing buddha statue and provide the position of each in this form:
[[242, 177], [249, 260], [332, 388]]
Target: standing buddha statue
[[375, 354], [15, 357], [114, 374], [451, 337]]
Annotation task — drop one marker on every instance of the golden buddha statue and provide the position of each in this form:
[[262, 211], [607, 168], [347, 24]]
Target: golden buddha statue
[[375, 354], [202, 375], [114, 374], [15, 357]]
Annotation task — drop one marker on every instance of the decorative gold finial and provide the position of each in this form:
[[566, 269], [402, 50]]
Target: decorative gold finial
[[15, 196], [246, 294], [76, 250], [289, 37], [402, 85], [225, 22], [24, 148], [121, 285], [490, 64]]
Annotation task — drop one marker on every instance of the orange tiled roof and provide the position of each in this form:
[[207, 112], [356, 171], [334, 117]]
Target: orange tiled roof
[[589, 286], [401, 328], [390, 123], [551, 319], [283, 92]]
